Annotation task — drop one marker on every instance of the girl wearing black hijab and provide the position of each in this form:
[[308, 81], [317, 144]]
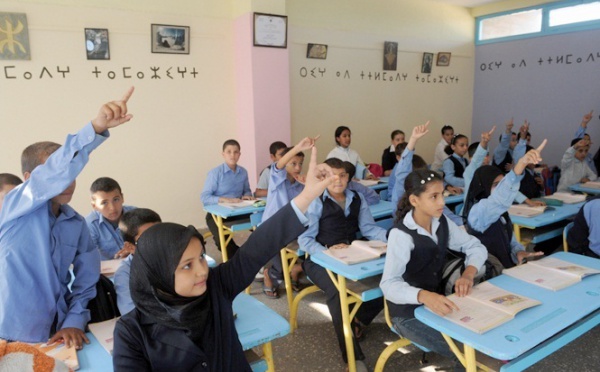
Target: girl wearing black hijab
[[183, 318], [490, 196]]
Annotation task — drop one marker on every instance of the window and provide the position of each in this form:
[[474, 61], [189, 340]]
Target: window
[[574, 14], [512, 24]]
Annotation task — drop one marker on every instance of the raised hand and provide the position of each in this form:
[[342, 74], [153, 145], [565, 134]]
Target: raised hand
[[524, 129], [318, 178], [509, 125], [533, 156], [581, 143], [586, 118], [307, 143], [417, 132], [113, 114], [486, 136]]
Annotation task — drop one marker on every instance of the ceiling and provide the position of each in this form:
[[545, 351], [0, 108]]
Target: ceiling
[[468, 3]]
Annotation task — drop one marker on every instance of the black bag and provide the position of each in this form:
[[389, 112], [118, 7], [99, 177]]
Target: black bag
[[104, 305], [455, 266]]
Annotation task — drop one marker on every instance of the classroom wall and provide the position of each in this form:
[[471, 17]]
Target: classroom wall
[[551, 81]]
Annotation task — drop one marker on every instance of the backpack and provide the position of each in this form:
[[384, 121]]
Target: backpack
[[455, 266], [104, 305], [375, 169]]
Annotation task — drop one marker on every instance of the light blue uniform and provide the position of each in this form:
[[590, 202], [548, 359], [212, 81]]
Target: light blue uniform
[[105, 237]]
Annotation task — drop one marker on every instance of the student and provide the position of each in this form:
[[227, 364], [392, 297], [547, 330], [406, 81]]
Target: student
[[103, 221], [41, 236], [490, 195], [275, 152], [183, 317], [440, 150], [454, 166], [334, 220], [573, 167], [343, 138], [370, 195], [584, 236], [503, 154], [227, 183], [399, 150], [581, 134], [479, 155], [132, 225], [286, 183], [416, 256], [388, 159], [7, 183]]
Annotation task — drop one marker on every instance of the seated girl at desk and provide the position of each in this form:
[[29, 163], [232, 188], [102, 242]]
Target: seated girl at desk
[[454, 166], [416, 257], [183, 318], [490, 196], [343, 138]]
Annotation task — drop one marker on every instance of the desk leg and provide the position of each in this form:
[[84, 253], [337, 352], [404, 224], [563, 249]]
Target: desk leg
[[517, 232], [340, 283], [470, 359], [268, 356], [288, 261], [222, 242]]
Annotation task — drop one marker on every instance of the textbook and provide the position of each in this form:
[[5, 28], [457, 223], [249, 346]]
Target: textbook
[[487, 307], [550, 273], [359, 251], [591, 184], [568, 198], [109, 267], [368, 182], [61, 352], [103, 331], [523, 210], [240, 204]]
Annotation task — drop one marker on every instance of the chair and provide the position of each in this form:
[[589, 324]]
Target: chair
[[383, 194], [565, 233]]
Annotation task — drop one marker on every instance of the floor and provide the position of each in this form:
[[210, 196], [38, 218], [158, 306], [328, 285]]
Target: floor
[[313, 347]]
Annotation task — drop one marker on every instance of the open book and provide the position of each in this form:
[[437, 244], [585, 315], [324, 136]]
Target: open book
[[103, 331], [61, 352], [568, 198], [240, 204], [523, 210], [368, 182], [487, 307], [109, 267], [359, 251], [591, 184], [550, 273]]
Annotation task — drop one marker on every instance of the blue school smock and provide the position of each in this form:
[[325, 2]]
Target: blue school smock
[[105, 237], [221, 181]]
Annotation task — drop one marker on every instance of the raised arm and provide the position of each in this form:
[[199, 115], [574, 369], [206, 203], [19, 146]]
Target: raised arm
[[580, 132], [500, 151]]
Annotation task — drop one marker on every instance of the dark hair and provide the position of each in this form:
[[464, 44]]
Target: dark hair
[[275, 146], [418, 162], [9, 179], [339, 130], [350, 169], [231, 142], [511, 133], [132, 220], [472, 148], [527, 134], [105, 184], [288, 149], [415, 184], [448, 149], [400, 148], [447, 127], [397, 132], [575, 140], [335, 163], [36, 154]]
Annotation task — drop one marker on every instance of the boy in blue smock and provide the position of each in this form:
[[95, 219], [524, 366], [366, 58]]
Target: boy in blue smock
[[275, 152], [581, 134], [227, 183], [7, 182], [103, 221], [41, 236]]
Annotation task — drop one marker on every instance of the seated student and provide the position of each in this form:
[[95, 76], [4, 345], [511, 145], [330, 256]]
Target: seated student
[[334, 220], [454, 166], [490, 195], [371, 196], [532, 184], [226, 183], [440, 150], [275, 152], [41, 236], [573, 167], [399, 150], [7, 182], [343, 138], [132, 225], [286, 183], [584, 236], [479, 155], [103, 221], [183, 317], [388, 159], [503, 154], [581, 134], [416, 257]]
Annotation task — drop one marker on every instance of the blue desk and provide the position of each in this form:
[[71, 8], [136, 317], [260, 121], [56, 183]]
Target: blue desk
[[588, 190], [382, 185], [536, 332], [550, 216], [383, 209], [454, 199], [220, 213]]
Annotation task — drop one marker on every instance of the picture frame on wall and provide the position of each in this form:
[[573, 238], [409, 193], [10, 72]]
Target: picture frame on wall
[[316, 51], [443, 59], [96, 43], [170, 39], [270, 30], [427, 63], [390, 56]]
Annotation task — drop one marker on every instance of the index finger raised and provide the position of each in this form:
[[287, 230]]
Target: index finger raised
[[541, 147], [492, 131], [128, 94]]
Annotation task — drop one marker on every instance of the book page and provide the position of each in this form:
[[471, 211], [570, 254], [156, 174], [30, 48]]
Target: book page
[[565, 267], [500, 299], [351, 255], [368, 182], [376, 247], [61, 352], [543, 277], [475, 316], [103, 331], [568, 198], [240, 204], [591, 184], [523, 210], [109, 267]]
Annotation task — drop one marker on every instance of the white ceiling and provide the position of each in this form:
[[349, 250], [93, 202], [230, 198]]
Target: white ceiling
[[467, 3]]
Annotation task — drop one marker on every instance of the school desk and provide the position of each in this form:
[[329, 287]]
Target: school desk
[[226, 231], [382, 185], [551, 215], [256, 324], [588, 190], [534, 333], [454, 199]]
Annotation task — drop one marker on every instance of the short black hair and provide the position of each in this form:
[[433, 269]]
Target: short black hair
[[447, 127], [575, 140], [335, 163], [275, 146], [400, 148], [397, 132], [231, 142], [36, 154], [350, 169], [339, 130], [473, 148], [105, 184], [418, 162], [9, 179], [132, 220], [511, 134]]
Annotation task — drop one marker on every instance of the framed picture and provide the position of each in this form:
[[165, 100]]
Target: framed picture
[[14, 37], [96, 43], [443, 59], [390, 56], [270, 30], [170, 39], [317, 51], [427, 63]]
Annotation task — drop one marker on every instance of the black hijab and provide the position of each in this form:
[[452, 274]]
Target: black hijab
[[481, 185], [152, 280]]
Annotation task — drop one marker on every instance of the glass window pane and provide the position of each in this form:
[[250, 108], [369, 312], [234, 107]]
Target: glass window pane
[[513, 24], [575, 14]]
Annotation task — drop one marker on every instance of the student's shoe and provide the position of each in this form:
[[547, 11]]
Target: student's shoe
[[358, 329], [260, 276], [271, 292]]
